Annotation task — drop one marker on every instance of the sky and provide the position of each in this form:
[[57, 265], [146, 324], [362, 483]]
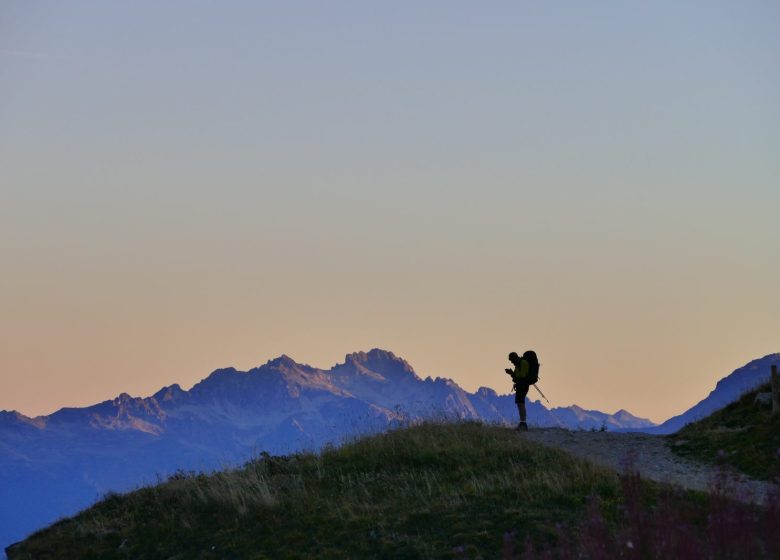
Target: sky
[[192, 185]]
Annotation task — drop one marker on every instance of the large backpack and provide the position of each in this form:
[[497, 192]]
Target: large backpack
[[533, 367]]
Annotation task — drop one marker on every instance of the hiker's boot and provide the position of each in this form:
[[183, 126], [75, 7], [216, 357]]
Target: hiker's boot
[[523, 427]]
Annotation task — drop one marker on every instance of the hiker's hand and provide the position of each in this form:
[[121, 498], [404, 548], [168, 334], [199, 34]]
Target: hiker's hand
[[509, 371]]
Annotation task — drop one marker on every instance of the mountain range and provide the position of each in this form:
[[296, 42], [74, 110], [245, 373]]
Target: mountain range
[[52, 466]]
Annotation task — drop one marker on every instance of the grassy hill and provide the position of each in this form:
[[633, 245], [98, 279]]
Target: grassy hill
[[408, 493], [741, 435], [429, 491]]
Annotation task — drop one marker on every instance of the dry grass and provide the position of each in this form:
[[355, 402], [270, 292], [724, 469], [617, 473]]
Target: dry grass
[[411, 493]]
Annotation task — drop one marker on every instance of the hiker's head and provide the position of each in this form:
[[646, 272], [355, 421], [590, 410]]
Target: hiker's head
[[513, 357], [530, 355]]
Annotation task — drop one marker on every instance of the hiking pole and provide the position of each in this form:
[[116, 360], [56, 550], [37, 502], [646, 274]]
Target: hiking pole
[[540, 392]]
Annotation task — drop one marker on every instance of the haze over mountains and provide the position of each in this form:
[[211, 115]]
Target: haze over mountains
[[51, 466]]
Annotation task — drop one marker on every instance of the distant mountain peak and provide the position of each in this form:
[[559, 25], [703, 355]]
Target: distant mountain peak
[[381, 361], [486, 392], [221, 372], [283, 361], [169, 393], [372, 355], [13, 417]]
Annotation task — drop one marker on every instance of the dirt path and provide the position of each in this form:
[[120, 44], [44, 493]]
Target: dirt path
[[650, 454]]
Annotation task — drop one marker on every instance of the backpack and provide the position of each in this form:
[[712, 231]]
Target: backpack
[[533, 367]]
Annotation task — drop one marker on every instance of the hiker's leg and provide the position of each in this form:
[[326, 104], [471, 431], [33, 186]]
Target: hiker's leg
[[522, 391], [521, 409]]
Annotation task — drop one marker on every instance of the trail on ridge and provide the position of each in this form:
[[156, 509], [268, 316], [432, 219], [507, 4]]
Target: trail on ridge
[[649, 454]]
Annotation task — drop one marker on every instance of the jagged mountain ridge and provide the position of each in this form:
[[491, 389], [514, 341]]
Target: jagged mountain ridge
[[77, 454], [282, 386]]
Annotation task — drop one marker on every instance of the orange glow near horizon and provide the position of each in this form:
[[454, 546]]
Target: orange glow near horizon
[[595, 183]]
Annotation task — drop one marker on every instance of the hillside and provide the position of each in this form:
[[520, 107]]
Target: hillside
[[461, 491], [743, 435], [409, 493], [726, 391]]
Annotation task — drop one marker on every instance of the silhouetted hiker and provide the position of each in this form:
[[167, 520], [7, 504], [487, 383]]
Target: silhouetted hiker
[[525, 374]]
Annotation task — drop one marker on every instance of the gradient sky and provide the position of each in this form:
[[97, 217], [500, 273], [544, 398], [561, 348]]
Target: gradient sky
[[192, 185]]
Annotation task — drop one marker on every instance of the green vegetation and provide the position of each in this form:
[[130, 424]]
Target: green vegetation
[[742, 435], [461, 490], [412, 493]]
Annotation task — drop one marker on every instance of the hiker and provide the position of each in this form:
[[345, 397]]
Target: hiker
[[524, 374]]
